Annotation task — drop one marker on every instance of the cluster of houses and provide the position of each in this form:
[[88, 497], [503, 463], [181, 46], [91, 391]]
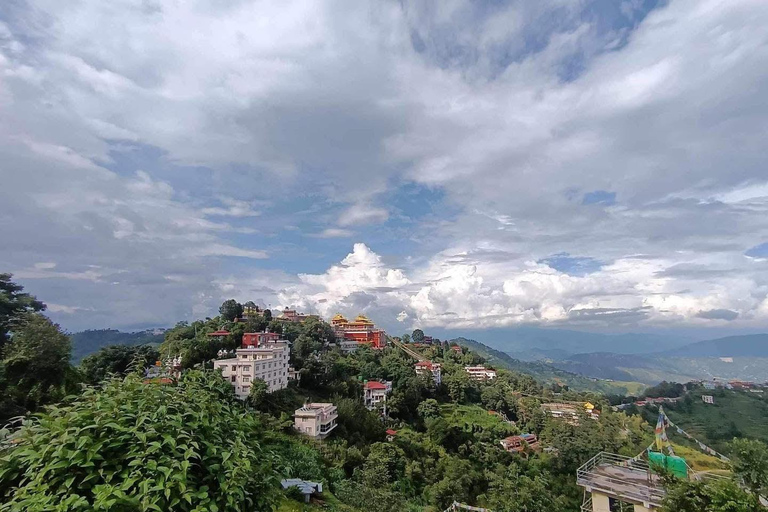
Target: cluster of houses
[[476, 373], [265, 356], [739, 385]]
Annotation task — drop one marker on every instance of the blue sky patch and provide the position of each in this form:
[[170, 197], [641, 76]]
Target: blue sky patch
[[572, 265], [758, 251], [599, 197]]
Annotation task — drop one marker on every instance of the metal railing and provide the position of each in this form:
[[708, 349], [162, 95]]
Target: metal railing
[[405, 349], [621, 477], [587, 505]]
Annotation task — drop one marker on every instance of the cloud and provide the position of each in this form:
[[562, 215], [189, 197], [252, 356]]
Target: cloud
[[334, 233], [232, 208], [361, 213], [173, 158], [442, 293], [719, 314]]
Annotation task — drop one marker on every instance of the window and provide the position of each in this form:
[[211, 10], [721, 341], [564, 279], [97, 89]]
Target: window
[[234, 377], [247, 369], [246, 379]]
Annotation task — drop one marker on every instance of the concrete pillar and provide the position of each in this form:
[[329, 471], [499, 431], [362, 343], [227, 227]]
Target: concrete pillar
[[600, 502], [642, 508]]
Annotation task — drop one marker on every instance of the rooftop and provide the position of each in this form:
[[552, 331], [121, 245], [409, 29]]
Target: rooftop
[[622, 477]]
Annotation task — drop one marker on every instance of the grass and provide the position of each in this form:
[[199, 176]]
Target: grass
[[470, 415], [699, 460], [330, 503]]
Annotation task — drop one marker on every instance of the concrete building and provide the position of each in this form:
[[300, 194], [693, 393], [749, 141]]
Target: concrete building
[[436, 369], [267, 361], [375, 394], [480, 373], [315, 419]]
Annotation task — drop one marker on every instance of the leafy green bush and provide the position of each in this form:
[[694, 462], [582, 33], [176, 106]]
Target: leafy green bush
[[136, 446]]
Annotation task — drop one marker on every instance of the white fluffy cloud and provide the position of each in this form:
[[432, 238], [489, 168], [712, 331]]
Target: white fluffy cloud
[[444, 293]]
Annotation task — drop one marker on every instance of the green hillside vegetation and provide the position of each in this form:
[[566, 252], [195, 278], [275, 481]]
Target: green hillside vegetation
[[652, 369], [127, 443], [734, 414], [548, 373]]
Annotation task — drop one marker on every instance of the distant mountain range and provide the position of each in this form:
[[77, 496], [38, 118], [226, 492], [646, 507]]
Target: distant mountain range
[[752, 345], [87, 342], [532, 343], [733, 357]]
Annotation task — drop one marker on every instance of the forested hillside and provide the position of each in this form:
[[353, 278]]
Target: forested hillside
[[733, 414], [549, 373], [178, 439]]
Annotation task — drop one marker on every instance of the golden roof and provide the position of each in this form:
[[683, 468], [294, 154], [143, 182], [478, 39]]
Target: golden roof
[[339, 318], [362, 319]]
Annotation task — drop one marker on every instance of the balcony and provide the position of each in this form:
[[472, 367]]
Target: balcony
[[621, 477]]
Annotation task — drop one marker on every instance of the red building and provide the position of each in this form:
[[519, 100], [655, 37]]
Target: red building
[[255, 339], [221, 333], [361, 330]]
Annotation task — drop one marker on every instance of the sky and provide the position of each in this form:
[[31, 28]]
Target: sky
[[585, 164]]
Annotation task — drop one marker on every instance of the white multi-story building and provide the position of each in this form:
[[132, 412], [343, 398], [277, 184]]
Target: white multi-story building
[[268, 362], [480, 373], [375, 393], [315, 419], [436, 369]]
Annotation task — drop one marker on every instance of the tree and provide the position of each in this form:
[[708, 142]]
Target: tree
[[457, 383], [35, 366], [406, 338], [14, 305], [751, 463], [117, 360], [417, 335], [514, 491], [713, 496], [136, 446], [231, 309], [267, 315], [258, 394], [429, 408]]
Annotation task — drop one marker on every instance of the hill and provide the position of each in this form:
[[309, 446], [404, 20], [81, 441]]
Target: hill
[[733, 414], [87, 342], [532, 342], [548, 373], [752, 345], [652, 369]]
